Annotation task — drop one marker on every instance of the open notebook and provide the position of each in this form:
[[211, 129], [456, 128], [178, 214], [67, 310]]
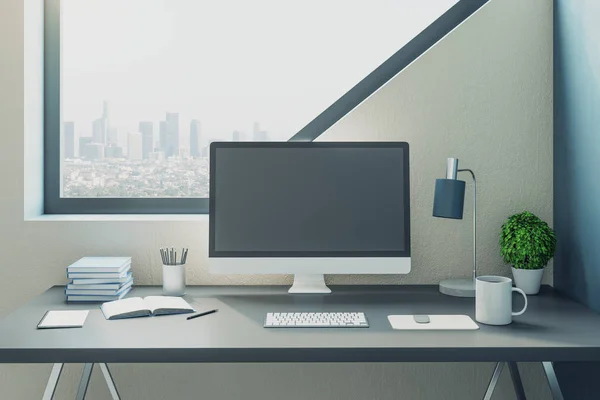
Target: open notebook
[[145, 307]]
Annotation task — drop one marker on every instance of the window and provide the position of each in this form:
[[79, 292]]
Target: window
[[135, 90]]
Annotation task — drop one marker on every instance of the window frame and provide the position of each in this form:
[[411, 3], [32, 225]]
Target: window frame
[[54, 204]]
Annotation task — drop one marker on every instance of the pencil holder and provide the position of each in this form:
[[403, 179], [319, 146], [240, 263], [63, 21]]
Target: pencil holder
[[174, 280]]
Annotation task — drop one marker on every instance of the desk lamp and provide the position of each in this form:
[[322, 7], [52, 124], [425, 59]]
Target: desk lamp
[[448, 202]]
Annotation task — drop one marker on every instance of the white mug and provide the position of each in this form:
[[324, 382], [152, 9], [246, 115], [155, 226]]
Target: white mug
[[493, 300]]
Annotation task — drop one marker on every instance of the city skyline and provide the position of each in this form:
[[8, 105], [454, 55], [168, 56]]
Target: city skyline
[[144, 90], [151, 164], [102, 140]]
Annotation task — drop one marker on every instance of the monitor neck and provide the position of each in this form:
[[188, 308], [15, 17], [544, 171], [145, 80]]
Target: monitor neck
[[309, 283]]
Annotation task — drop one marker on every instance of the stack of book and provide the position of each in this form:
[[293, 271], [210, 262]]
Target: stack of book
[[99, 279]]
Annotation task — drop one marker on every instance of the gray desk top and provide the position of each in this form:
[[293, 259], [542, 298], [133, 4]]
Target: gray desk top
[[553, 329]]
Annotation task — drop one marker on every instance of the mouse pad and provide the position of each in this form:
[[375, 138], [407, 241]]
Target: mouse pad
[[436, 323]]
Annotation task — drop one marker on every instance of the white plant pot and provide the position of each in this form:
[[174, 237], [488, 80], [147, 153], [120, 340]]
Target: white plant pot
[[528, 280]]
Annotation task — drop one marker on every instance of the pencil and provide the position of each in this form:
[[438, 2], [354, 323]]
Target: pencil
[[202, 314]]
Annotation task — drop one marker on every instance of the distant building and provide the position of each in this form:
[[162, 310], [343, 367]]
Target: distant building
[[195, 138], [147, 130], [134, 146], [256, 129], [69, 140], [163, 136], [172, 126], [102, 133], [184, 153], [99, 131], [261, 136], [113, 136], [108, 131], [157, 156], [105, 113], [83, 141], [122, 138], [258, 135], [94, 151], [113, 151]]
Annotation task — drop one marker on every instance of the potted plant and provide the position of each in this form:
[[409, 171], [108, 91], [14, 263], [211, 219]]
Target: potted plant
[[527, 243]]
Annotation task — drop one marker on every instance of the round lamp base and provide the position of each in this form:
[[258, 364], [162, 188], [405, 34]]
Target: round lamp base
[[458, 287]]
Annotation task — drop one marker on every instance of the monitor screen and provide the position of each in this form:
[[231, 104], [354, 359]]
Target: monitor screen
[[309, 200]]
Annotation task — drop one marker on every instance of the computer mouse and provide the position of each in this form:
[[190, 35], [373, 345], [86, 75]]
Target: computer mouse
[[421, 319]]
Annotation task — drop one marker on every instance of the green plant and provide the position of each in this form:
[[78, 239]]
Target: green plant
[[526, 241]]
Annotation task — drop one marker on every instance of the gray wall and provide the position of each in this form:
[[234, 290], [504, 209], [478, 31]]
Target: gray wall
[[576, 167], [484, 94]]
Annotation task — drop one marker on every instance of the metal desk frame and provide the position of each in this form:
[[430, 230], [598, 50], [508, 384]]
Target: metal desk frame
[[514, 374]]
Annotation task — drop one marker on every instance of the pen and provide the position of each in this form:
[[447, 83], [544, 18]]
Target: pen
[[202, 314]]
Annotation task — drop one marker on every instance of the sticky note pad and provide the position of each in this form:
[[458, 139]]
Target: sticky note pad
[[63, 319]]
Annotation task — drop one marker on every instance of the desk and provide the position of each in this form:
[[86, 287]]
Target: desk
[[553, 329]]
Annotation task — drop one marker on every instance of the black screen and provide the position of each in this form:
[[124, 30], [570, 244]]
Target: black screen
[[309, 199]]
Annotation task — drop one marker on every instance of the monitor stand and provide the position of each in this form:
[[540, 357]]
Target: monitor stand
[[309, 283]]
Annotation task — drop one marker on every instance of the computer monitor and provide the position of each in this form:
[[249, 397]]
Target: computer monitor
[[308, 209]]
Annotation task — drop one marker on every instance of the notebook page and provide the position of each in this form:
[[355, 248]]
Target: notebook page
[[176, 304], [133, 305]]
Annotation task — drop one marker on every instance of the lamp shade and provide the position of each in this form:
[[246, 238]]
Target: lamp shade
[[449, 198]]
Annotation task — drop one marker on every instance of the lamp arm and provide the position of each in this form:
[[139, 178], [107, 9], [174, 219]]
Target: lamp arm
[[474, 221]]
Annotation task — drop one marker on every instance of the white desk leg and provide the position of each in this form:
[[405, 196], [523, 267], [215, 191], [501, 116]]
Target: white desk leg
[[552, 381], [112, 388], [515, 376], [52, 382], [84, 381], [493, 381]]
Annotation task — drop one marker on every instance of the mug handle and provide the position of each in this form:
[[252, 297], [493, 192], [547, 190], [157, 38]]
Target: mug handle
[[525, 297]]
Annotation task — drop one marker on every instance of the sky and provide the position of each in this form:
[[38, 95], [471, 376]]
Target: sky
[[227, 63]]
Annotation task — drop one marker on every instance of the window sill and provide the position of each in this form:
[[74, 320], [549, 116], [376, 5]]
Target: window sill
[[119, 217]]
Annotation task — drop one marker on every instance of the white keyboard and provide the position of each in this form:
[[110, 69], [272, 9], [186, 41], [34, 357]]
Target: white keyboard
[[316, 320]]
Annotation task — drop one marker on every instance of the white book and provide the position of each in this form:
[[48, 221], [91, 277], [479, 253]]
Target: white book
[[100, 264], [101, 286], [103, 275], [104, 280], [63, 319], [102, 291], [96, 298], [145, 307]]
